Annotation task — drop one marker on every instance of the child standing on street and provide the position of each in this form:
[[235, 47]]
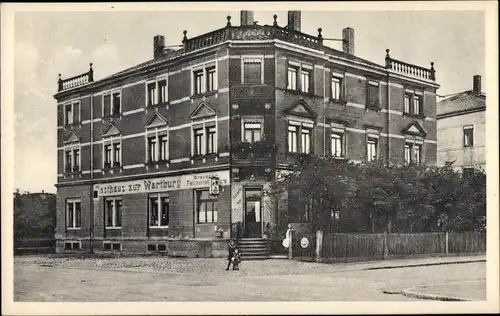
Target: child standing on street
[[236, 259], [231, 248]]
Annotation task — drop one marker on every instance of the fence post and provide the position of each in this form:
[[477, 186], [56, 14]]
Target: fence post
[[319, 244], [446, 242], [386, 246]]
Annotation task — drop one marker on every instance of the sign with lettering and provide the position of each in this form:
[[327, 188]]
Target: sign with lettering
[[163, 184]]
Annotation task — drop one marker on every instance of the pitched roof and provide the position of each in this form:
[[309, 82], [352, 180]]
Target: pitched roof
[[461, 102]]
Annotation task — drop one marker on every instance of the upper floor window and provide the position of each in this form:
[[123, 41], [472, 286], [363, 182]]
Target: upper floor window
[[112, 103], [157, 145], [371, 149], [71, 113], [211, 146], [73, 213], [468, 135], [198, 141], [299, 77], [204, 79], [72, 161], [413, 104], [211, 78], [203, 130], [412, 153], [252, 71], [112, 154], [337, 140], [337, 83], [156, 92], [299, 137], [159, 210], [372, 98], [252, 131]]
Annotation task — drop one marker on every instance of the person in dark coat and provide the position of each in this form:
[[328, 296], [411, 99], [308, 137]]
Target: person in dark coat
[[231, 248], [236, 259]]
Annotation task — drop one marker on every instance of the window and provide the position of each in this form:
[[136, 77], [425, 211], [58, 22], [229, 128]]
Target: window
[[152, 94], [198, 81], [468, 136], [210, 78], [371, 148], [337, 145], [336, 88], [71, 113], [305, 75], [417, 105], [152, 149], [252, 131], [292, 78], [206, 207], [163, 147], [299, 137], [107, 156], [113, 208], [72, 160], [111, 153], [417, 153], [408, 154], [198, 141], [116, 154], [407, 106], [73, 213], [252, 71], [112, 104], [162, 91], [373, 92], [158, 210], [210, 149]]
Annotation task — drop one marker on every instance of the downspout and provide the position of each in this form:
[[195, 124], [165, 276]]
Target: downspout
[[388, 120], [91, 173], [324, 109]]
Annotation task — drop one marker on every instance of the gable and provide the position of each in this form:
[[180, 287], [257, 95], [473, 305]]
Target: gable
[[71, 138], [156, 120], [414, 129], [301, 108], [110, 130], [202, 110]]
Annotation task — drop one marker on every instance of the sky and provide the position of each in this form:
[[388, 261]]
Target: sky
[[49, 43]]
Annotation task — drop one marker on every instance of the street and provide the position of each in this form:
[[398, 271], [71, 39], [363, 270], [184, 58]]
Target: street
[[159, 279]]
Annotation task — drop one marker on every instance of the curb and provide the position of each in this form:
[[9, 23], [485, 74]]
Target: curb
[[425, 264], [410, 293]]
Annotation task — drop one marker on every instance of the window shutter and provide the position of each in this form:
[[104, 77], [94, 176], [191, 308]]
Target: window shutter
[[252, 72]]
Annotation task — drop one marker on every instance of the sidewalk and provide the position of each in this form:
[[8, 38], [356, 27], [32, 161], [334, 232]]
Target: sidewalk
[[474, 291]]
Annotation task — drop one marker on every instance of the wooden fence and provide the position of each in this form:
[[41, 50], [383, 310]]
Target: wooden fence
[[378, 246]]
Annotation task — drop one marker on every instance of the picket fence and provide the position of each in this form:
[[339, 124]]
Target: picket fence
[[347, 245]]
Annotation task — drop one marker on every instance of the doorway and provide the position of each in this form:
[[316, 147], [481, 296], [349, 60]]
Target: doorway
[[253, 213]]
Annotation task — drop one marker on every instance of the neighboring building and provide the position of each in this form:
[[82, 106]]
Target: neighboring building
[[461, 123], [136, 150]]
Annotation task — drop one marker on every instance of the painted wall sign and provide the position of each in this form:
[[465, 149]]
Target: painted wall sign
[[171, 183]]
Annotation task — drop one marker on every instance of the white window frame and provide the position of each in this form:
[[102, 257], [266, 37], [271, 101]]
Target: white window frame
[[413, 143], [157, 133], [375, 84], [203, 69], [250, 120], [373, 136], [156, 82], [301, 124], [73, 225], [464, 128], [111, 140], [72, 103], [111, 93], [338, 129], [114, 199], [300, 68], [72, 147], [252, 59], [340, 77], [195, 125], [158, 197]]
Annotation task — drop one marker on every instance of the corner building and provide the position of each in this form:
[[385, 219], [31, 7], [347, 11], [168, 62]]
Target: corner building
[[136, 150]]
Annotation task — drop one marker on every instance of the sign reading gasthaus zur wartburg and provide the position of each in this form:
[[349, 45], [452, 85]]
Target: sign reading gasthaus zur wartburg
[[171, 183]]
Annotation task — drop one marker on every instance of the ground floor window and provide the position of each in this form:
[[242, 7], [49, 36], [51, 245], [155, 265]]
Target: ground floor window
[[206, 207], [73, 213], [113, 211], [158, 210]]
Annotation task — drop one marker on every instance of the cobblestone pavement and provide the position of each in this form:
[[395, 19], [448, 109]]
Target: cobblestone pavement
[[169, 279]]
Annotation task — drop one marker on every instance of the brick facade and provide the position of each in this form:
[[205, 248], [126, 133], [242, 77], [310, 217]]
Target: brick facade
[[231, 104]]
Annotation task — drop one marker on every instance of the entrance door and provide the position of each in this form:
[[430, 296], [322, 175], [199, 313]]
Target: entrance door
[[253, 213]]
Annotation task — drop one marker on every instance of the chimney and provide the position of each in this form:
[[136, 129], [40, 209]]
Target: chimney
[[348, 40], [294, 20], [246, 18], [476, 85], [158, 45]]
